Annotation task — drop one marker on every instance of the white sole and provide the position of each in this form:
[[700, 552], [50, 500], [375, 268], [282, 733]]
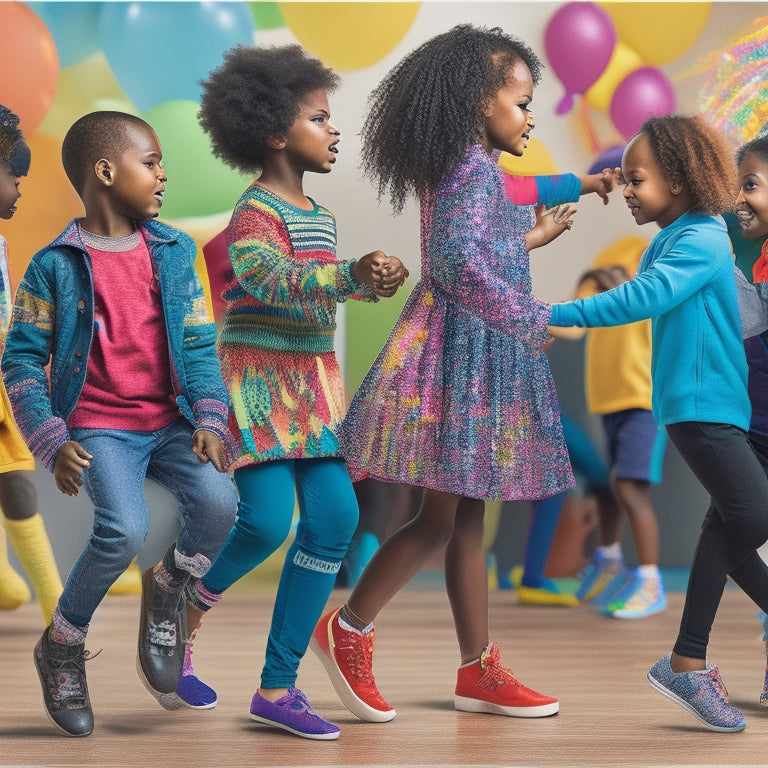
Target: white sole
[[464, 704]]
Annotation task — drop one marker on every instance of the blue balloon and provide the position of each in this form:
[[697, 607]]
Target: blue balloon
[[159, 51], [73, 27]]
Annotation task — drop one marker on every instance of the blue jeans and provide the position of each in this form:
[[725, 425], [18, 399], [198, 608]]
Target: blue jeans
[[328, 515], [115, 484]]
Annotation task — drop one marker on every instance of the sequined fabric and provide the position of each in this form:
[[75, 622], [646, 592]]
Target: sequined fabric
[[461, 398]]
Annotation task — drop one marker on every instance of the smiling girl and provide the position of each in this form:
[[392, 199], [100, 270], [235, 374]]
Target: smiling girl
[[679, 173]]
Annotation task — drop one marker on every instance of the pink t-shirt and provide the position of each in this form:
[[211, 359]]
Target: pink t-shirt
[[128, 381]]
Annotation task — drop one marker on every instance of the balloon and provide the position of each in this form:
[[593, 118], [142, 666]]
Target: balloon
[[48, 202], [349, 35], [535, 161], [198, 182], [642, 93], [623, 61], [579, 40], [74, 27], [267, 15], [84, 87], [29, 63], [159, 51], [659, 32], [608, 158]]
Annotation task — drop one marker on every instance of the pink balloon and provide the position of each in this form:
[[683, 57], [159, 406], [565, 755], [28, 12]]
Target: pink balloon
[[579, 40], [640, 95]]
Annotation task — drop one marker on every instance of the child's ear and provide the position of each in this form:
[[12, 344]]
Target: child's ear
[[104, 171], [276, 142], [676, 185]]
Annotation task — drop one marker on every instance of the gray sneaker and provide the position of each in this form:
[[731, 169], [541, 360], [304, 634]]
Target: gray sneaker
[[61, 669], [703, 694], [162, 630]]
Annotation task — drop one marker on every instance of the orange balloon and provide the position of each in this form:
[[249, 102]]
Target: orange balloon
[[30, 65], [48, 202]]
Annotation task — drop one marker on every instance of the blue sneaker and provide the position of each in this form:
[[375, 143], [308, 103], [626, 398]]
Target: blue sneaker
[[612, 589], [293, 713], [703, 694], [638, 598], [597, 574]]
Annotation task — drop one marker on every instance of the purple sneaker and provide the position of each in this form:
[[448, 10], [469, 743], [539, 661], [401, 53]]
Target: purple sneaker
[[293, 713]]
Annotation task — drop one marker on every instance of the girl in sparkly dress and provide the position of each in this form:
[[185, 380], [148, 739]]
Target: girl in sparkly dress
[[460, 401]]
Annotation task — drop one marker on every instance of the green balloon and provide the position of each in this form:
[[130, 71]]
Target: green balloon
[[199, 184], [267, 15]]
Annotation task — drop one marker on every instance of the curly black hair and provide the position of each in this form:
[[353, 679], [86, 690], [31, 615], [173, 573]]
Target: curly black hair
[[14, 152], [691, 151], [255, 94], [97, 135], [428, 110], [758, 146]]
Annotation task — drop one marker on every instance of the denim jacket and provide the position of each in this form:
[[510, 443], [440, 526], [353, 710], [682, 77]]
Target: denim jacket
[[53, 322]]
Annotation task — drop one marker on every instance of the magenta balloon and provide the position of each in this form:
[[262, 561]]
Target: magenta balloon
[[640, 95], [579, 40]]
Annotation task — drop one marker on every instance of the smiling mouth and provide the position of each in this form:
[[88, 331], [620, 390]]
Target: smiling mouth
[[333, 148]]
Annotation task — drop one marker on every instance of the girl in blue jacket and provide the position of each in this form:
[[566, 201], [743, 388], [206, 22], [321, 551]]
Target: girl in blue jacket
[[679, 173]]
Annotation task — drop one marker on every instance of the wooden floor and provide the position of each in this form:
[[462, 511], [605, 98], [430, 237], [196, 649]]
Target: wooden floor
[[596, 666]]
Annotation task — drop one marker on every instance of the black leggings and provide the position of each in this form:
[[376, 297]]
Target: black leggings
[[733, 468]]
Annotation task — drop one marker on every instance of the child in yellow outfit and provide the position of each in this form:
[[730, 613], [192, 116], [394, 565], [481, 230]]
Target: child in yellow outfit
[[21, 522]]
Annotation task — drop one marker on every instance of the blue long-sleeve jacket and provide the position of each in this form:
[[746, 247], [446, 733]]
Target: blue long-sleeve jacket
[[53, 321], [685, 283]]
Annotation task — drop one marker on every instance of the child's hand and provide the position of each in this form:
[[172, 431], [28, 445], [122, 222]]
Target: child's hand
[[384, 273], [68, 469], [207, 446], [550, 223], [602, 183]]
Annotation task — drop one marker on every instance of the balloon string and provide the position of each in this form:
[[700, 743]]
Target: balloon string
[[594, 142]]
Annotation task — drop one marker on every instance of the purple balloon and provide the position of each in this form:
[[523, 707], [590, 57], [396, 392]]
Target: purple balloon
[[579, 40], [608, 158], [640, 95]]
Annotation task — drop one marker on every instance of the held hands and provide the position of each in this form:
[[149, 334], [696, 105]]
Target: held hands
[[550, 223], [68, 469], [384, 273], [207, 446], [602, 183]]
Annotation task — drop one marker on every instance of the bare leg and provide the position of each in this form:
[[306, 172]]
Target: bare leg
[[466, 579], [401, 556], [635, 498]]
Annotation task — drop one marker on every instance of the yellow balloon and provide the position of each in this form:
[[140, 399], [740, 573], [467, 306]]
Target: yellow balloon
[[349, 35], [623, 61], [659, 32], [84, 87], [536, 161]]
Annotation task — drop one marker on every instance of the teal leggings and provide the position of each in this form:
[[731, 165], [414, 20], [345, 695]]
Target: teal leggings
[[328, 515]]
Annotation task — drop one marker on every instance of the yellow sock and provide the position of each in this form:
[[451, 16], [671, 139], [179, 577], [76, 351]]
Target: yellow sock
[[32, 546], [13, 589]]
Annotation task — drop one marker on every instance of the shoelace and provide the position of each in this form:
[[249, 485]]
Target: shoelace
[[297, 701], [494, 673], [68, 674], [718, 685], [360, 659]]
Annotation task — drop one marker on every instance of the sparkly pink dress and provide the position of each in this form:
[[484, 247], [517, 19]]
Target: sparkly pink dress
[[461, 398]]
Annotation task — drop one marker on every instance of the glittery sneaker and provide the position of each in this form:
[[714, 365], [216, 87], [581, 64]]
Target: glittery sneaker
[[597, 574], [703, 694], [487, 686], [61, 669], [638, 598], [348, 659], [162, 628], [293, 713]]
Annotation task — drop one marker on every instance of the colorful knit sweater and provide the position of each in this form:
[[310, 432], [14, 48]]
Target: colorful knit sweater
[[276, 345]]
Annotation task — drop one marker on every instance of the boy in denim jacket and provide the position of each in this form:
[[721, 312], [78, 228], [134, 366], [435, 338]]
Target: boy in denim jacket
[[115, 306]]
